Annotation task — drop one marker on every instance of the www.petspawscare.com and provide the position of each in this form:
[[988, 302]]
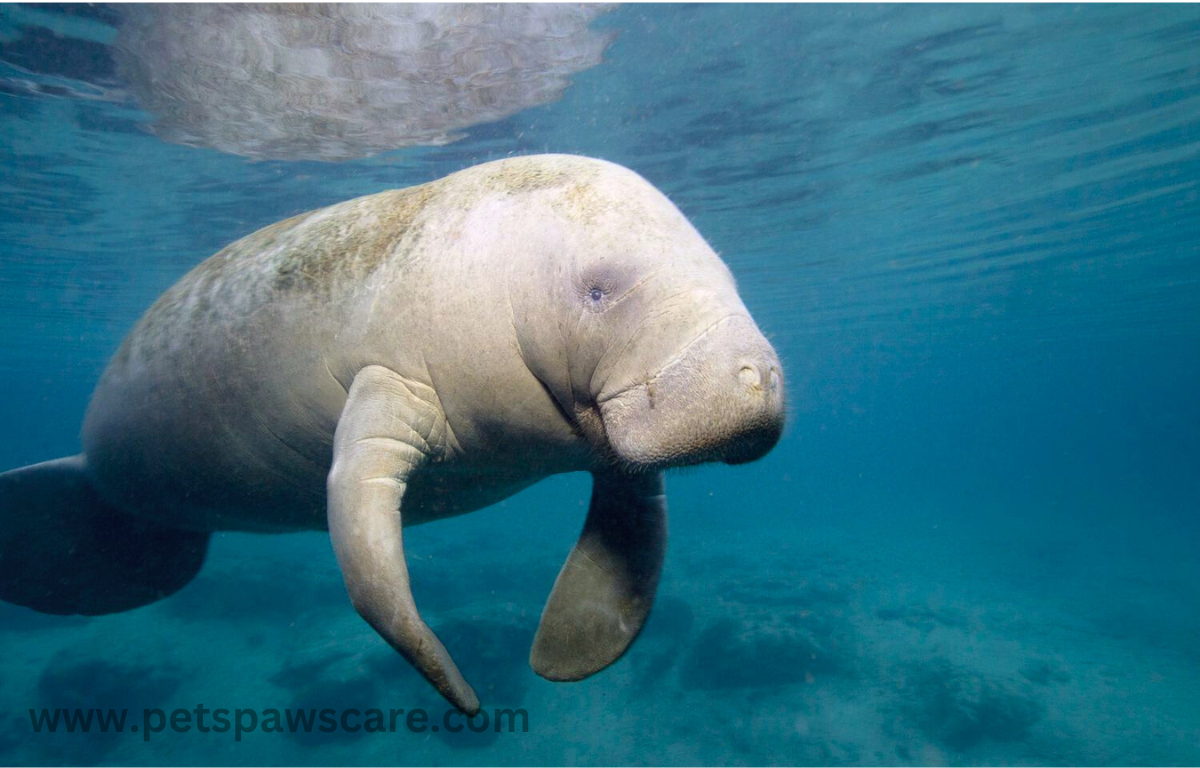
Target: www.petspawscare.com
[[244, 721]]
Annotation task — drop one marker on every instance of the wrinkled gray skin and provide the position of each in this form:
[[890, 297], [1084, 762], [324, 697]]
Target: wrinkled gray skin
[[422, 353]]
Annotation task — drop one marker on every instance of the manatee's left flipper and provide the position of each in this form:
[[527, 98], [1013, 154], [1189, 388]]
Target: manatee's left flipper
[[387, 431], [604, 592]]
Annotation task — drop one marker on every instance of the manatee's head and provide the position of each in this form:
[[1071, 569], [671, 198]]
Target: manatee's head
[[634, 325]]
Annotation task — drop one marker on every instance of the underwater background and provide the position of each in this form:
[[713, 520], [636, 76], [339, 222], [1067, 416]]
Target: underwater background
[[971, 231]]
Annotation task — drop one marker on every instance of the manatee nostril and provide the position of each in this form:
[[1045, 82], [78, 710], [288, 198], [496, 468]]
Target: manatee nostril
[[749, 376]]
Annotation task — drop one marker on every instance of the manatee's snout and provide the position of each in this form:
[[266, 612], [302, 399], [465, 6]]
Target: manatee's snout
[[719, 399], [762, 387]]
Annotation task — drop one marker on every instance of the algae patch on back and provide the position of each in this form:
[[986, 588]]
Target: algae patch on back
[[348, 242], [314, 256], [321, 255], [521, 175]]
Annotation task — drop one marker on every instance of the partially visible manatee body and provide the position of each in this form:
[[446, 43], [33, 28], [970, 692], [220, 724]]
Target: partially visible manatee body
[[401, 358]]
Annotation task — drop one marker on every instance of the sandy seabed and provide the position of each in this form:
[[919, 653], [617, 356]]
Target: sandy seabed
[[934, 643]]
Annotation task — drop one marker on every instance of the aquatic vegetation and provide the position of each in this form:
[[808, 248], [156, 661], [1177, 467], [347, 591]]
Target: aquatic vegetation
[[784, 591], [672, 619], [358, 693], [1044, 672], [729, 654], [923, 617], [333, 678], [960, 709], [72, 681], [667, 631]]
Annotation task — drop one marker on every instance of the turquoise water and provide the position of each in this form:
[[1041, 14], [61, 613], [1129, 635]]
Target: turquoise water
[[971, 233]]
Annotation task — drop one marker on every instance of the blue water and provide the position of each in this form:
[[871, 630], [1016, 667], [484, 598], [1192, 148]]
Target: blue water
[[973, 234]]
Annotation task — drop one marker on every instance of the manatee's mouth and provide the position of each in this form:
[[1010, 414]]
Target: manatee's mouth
[[719, 398], [712, 442], [671, 362]]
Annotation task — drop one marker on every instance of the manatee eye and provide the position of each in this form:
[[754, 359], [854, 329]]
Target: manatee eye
[[597, 286]]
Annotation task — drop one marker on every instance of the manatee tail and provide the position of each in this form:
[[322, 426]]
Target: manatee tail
[[64, 550]]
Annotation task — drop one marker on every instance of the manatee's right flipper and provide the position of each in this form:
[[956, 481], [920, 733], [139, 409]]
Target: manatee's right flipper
[[64, 550], [604, 592], [385, 433]]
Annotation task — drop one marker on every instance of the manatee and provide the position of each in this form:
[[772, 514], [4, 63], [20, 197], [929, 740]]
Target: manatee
[[401, 358]]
